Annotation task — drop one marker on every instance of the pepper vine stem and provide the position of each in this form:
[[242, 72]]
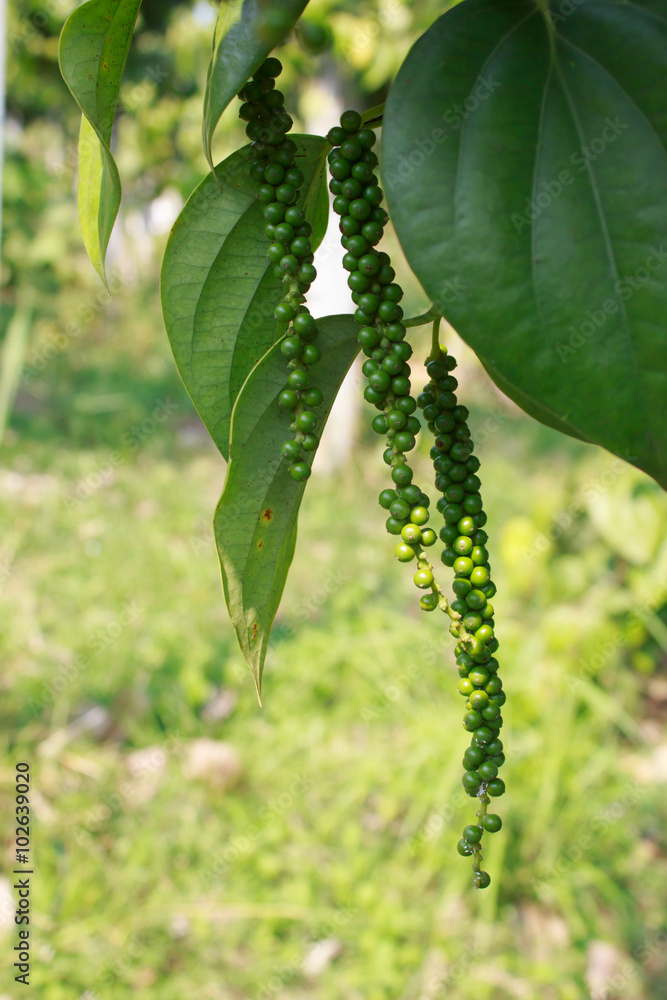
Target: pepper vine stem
[[435, 339], [431, 314]]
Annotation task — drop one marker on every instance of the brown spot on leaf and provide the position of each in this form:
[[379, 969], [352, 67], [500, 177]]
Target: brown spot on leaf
[[267, 514], [260, 544], [254, 630]]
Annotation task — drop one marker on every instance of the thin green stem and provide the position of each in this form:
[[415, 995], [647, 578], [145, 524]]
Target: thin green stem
[[435, 338], [373, 117], [423, 318], [481, 813]]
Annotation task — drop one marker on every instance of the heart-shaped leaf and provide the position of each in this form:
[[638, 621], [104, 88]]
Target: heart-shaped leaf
[[525, 166], [218, 286], [256, 519], [93, 51], [245, 34]]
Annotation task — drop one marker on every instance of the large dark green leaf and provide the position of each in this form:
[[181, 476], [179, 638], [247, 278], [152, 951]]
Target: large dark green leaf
[[93, 51], [525, 166], [218, 287], [255, 523], [245, 34]]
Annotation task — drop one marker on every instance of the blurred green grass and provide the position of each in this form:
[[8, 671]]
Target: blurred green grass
[[342, 820]]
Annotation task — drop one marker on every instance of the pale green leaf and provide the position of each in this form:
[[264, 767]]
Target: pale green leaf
[[255, 523], [93, 50]]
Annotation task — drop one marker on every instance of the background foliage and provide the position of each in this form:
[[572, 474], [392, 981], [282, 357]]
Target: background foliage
[[167, 865]]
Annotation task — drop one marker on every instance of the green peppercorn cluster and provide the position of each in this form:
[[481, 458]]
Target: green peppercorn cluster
[[280, 181], [473, 624], [357, 199]]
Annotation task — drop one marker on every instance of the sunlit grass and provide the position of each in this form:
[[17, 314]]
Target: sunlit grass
[[344, 820]]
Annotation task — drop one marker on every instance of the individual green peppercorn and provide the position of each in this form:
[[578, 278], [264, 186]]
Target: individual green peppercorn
[[464, 848], [336, 135], [472, 720], [473, 757], [313, 397], [291, 347], [481, 880], [463, 566], [475, 599], [467, 526], [479, 576], [379, 424], [387, 497], [479, 676], [274, 212], [284, 312], [423, 578], [462, 544], [404, 552], [473, 834], [479, 699], [419, 515], [487, 770], [492, 822], [311, 354], [306, 421], [350, 121], [288, 400], [496, 787], [402, 475], [448, 556], [300, 471], [300, 247], [411, 533], [298, 379]]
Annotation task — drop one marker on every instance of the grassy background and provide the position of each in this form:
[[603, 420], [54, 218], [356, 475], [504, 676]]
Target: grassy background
[[187, 842], [332, 813]]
